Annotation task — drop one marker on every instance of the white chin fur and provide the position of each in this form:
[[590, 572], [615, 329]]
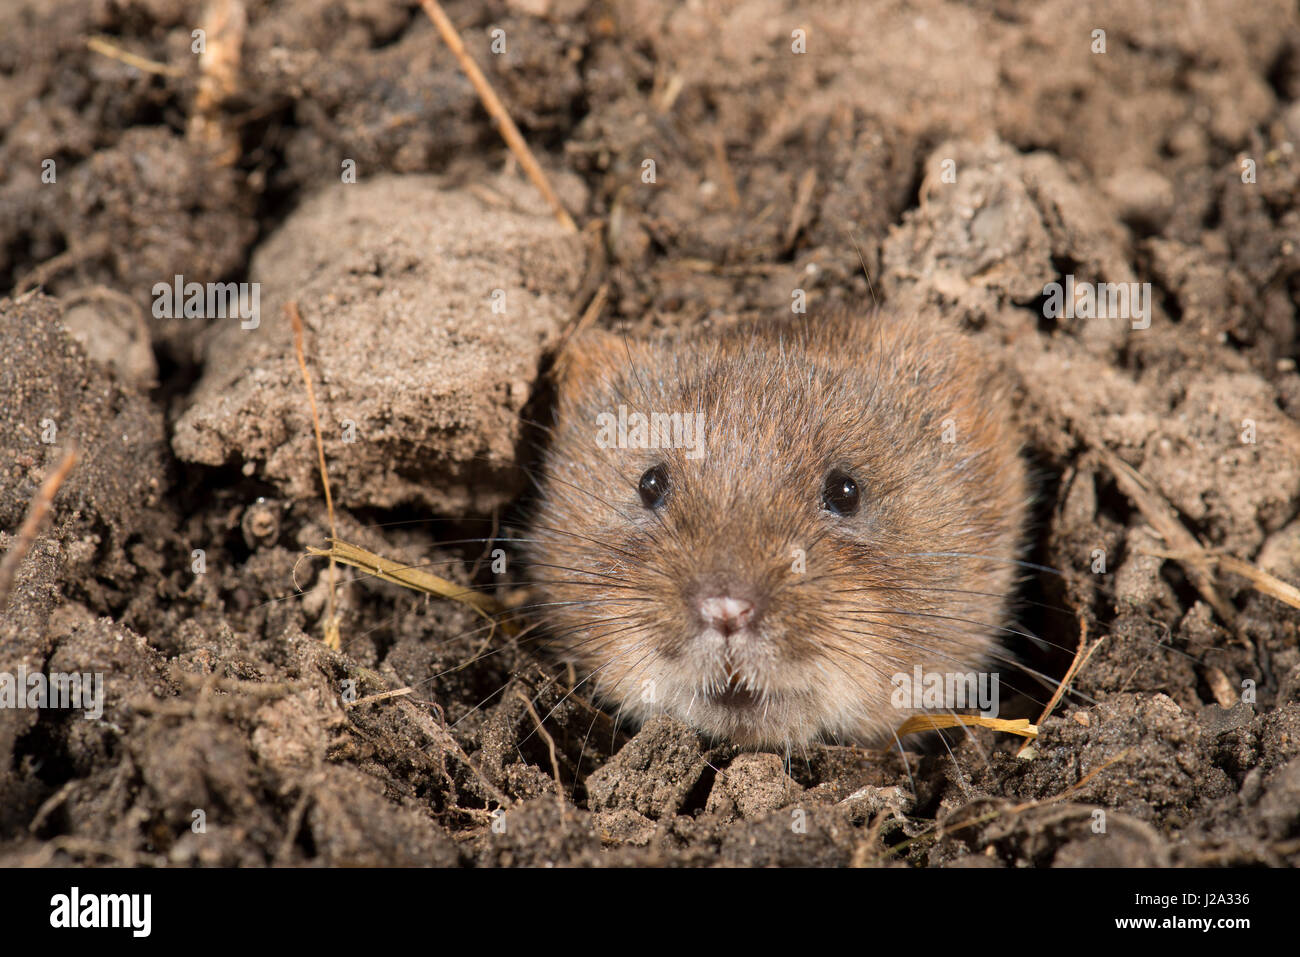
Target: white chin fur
[[780, 721]]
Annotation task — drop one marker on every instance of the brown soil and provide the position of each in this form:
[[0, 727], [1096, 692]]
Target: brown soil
[[434, 288]]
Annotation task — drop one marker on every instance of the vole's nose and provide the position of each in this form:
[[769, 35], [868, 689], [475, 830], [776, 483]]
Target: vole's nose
[[725, 614]]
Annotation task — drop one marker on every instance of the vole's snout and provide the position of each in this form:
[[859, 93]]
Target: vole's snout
[[727, 614], [726, 604]]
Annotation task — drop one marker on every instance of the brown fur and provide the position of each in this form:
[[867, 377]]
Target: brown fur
[[783, 405]]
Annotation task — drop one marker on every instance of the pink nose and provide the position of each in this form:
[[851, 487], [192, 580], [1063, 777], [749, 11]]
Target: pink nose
[[727, 615]]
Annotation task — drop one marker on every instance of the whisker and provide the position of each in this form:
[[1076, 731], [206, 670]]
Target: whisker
[[991, 558]]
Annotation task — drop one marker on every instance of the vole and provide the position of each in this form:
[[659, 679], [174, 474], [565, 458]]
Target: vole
[[851, 506]]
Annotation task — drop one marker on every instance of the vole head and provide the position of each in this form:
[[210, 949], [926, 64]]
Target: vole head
[[755, 531]]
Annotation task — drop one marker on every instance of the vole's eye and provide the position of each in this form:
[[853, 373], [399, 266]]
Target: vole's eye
[[653, 487], [840, 493]]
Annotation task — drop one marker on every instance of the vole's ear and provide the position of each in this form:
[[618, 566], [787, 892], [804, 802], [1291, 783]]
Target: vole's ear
[[592, 355]]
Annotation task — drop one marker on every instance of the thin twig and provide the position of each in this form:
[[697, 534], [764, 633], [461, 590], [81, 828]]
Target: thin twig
[[307, 792], [104, 48], [724, 170], [1259, 579], [584, 321], [545, 736], [1157, 510], [331, 623], [1081, 657], [495, 109], [414, 577], [802, 199], [51, 804], [381, 696], [75, 254], [920, 723], [220, 76], [36, 513], [945, 830]]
